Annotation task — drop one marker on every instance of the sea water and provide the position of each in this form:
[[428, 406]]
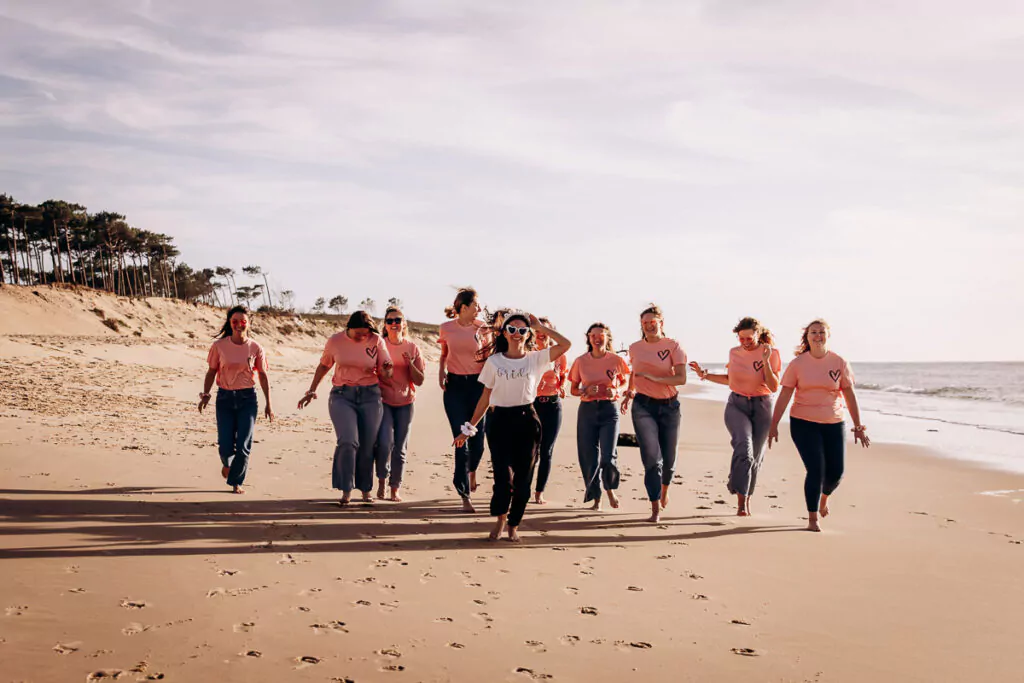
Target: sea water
[[968, 411]]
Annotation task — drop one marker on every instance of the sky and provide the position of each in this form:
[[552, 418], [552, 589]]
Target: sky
[[786, 159]]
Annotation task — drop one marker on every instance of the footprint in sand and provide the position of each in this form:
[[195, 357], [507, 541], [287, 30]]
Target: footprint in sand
[[244, 627], [106, 675], [741, 622], [134, 629], [16, 610], [445, 619], [334, 625], [252, 653], [591, 611], [134, 604], [746, 651], [227, 572], [484, 616], [637, 589], [638, 644], [363, 603], [456, 646], [569, 640], [67, 648], [536, 645], [76, 590], [532, 674], [699, 596], [306, 661]]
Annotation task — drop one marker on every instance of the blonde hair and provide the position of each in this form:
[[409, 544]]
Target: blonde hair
[[763, 334], [804, 346], [384, 326], [654, 310]]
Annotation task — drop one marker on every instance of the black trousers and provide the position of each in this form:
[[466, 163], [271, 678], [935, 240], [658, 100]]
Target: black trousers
[[822, 447], [513, 437], [550, 414]]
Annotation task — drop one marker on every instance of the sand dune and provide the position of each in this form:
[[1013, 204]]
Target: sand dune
[[123, 558]]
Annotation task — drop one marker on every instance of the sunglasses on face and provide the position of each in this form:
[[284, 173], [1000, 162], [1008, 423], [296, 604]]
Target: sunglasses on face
[[513, 329], [393, 321]]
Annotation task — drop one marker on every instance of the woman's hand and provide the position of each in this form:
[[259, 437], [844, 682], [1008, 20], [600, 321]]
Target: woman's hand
[[766, 353], [204, 400], [862, 436], [535, 322], [442, 379], [701, 372], [624, 408], [307, 399], [460, 441], [268, 412], [773, 433], [388, 369]]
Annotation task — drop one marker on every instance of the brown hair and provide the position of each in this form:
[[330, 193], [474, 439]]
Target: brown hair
[[226, 331], [499, 344], [654, 310], [761, 333], [464, 297], [361, 320], [384, 326], [804, 346], [607, 336]]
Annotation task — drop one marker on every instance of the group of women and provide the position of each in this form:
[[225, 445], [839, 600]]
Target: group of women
[[504, 379]]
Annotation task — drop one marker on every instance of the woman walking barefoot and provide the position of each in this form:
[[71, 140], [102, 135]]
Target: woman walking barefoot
[[234, 361], [458, 371], [753, 375], [510, 377], [596, 377], [548, 404], [360, 360], [397, 396], [659, 366], [818, 380]]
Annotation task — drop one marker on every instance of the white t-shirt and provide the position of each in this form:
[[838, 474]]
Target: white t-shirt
[[513, 382]]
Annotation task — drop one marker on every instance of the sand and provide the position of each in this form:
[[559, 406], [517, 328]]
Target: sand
[[123, 556]]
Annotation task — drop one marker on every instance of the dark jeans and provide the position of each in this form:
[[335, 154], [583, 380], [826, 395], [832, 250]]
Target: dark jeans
[[656, 423], [236, 419], [356, 414], [392, 441], [513, 436], [461, 394], [748, 419], [597, 433], [822, 447], [550, 414]]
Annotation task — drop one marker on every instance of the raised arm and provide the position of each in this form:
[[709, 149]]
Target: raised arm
[[561, 343]]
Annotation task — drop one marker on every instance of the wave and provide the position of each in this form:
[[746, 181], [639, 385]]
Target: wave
[[987, 428], [962, 392]]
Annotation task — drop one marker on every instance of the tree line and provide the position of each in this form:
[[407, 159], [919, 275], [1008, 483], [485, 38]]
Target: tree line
[[60, 242]]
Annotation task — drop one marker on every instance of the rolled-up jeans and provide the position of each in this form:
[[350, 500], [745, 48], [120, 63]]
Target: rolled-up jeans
[[748, 419], [656, 422], [461, 394], [597, 433], [392, 441], [236, 419], [356, 414]]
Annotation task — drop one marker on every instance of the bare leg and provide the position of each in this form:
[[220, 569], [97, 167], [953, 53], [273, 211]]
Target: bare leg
[[597, 504], [380, 489], [812, 521], [513, 534], [237, 489], [467, 505], [472, 481], [823, 506], [655, 511], [499, 526], [394, 495], [225, 471], [538, 497], [664, 496], [741, 506], [613, 499]]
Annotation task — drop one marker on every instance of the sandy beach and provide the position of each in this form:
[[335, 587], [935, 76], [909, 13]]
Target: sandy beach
[[123, 556]]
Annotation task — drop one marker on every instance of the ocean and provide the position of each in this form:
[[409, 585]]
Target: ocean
[[966, 411]]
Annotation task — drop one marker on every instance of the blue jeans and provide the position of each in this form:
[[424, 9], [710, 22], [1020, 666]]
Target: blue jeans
[[550, 414], [822, 447], [461, 394], [392, 441], [748, 419], [597, 433], [656, 422], [236, 419], [356, 414]]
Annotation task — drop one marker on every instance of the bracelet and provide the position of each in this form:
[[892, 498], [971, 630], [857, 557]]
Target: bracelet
[[468, 429], [859, 428], [204, 395], [310, 393]]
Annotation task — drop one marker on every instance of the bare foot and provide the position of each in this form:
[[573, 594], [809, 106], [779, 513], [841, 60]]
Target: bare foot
[[613, 499], [472, 481], [823, 507], [395, 498], [237, 489], [664, 496], [538, 498], [467, 505], [655, 511], [499, 526], [812, 522], [345, 500], [367, 498], [741, 506], [596, 505], [225, 471], [380, 490], [513, 535]]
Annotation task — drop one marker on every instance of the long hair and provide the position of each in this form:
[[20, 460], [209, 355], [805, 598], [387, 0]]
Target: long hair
[[499, 344], [607, 336], [762, 333], [548, 323], [225, 330], [654, 310], [804, 346], [464, 297], [361, 320], [497, 319], [384, 326]]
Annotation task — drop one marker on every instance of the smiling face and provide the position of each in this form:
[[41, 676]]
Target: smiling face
[[817, 335], [516, 331], [239, 323], [395, 323], [470, 310], [748, 339], [598, 338], [651, 323], [358, 334]]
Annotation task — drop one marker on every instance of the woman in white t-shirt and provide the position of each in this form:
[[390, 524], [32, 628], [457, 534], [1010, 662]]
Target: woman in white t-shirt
[[510, 377]]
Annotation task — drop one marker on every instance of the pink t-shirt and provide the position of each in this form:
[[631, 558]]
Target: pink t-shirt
[[553, 379], [818, 383], [236, 364], [746, 370], [400, 390], [356, 364], [608, 370], [655, 358], [462, 343]]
